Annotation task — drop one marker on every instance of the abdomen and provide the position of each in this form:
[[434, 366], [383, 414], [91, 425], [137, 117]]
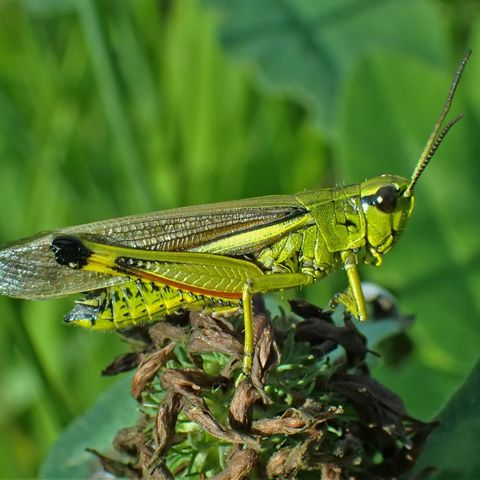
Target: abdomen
[[136, 302]]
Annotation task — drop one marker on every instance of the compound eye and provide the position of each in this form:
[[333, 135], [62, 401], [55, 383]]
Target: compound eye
[[386, 198]]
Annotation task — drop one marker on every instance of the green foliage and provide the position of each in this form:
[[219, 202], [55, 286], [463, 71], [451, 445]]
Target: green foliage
[[452, 447], [114, 108], [309, 48], [113, 410]]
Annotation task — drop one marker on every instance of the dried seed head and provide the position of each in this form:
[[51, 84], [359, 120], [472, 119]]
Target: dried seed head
[[148, 367]]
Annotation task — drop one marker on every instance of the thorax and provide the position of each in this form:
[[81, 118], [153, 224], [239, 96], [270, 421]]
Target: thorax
[[303, 251]]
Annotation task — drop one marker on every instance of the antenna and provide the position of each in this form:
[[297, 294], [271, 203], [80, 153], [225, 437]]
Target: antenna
[[438, 133]]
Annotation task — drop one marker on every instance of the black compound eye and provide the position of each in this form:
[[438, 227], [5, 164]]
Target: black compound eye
[[386, 198]]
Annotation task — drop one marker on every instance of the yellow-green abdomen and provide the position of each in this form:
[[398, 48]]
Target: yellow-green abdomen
[[137, 302]]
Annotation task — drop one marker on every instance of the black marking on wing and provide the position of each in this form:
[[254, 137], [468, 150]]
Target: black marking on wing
[[70, 251]]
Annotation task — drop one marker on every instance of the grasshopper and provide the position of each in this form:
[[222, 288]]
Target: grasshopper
[[214, 258]]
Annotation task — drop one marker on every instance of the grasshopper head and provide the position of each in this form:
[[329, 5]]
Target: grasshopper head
[[388, 200], [387, 210]]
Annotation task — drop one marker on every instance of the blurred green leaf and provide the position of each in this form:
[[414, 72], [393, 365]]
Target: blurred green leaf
[[115, 409], [307, 47], [452, 448], [50, 7], [434, 269]]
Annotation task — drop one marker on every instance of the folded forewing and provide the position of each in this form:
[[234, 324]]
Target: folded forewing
[[28, 268]]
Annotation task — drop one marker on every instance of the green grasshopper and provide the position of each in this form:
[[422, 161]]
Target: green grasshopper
[[214, 258]]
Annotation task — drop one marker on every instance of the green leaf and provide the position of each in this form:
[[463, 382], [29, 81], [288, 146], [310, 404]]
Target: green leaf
[[114, 410], [453, 447], [306, 47], [50, 7], [389, 107]]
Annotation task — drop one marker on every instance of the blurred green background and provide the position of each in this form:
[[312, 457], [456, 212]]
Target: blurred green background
[[117, 107]]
